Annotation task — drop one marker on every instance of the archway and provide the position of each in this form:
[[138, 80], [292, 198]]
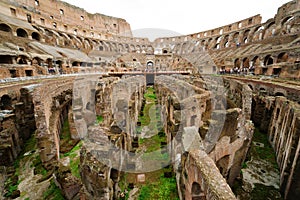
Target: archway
[[268, 60], [197, 192], [282, 57], [5, 28], [22, 33], [6, 102], [36, 36]]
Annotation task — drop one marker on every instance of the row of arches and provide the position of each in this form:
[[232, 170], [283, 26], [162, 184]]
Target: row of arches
[[20, 32], [264, 61], [67, 40], [237, 38]]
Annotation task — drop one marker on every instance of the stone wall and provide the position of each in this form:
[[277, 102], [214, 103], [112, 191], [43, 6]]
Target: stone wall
[[17, 121], [49, 105], [218, 110], [105, 153], [202, 179], [65, 17], [278, 117]]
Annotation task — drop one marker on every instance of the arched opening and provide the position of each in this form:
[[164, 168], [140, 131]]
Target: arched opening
[[6, 103], [76, 64], [5, 28], [268, 60], [287, 19], [150, 66], [250, 86], [36, 36], [217, 46], [237, 64], [254, 63], [36, 61], [22, 60], [236, 38], [22, 33], [197, 192], [282, 57], [246, 63], [223, 164]]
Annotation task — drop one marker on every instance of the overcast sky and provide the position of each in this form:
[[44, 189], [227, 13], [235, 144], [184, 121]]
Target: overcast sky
[[185, 16]]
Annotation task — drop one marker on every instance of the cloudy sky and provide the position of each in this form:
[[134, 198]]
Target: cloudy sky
[[185, 16]]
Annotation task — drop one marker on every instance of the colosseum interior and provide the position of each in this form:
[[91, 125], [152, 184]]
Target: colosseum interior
[[87, 111]]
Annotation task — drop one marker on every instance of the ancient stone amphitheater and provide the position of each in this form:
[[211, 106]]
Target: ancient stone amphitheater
[[62, 65]]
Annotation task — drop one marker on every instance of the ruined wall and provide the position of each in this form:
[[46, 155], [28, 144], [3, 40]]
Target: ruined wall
[[222, 125], [17, 121], [127, 96], [65, 17], [268, 48], [106, 143], [49, 104], [278, 117], [202, 178]]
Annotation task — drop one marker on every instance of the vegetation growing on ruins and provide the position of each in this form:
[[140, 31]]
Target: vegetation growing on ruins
[[163, 189], [267, 152], [74, 159], [53, 192], [99, 119], [158, 185], [257, 152]]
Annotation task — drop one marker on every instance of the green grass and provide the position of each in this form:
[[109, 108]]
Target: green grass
[[152, 143], [65, 132], [265, 153], [163, 189], [30, 145], [99, 119], [53, 192], [262, 192], [74, 159]]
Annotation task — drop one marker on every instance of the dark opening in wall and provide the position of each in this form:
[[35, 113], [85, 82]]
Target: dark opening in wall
[[13, 12], [276, 71], [5, 28], [279, 94], [13, 73], [250, 21], [264, 70], [22, 60], [268, 60], [282, 57], [36, 36], [6, 102], [29, 18], [22, 33], [5, 59], [197, 193], [29, 72]]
